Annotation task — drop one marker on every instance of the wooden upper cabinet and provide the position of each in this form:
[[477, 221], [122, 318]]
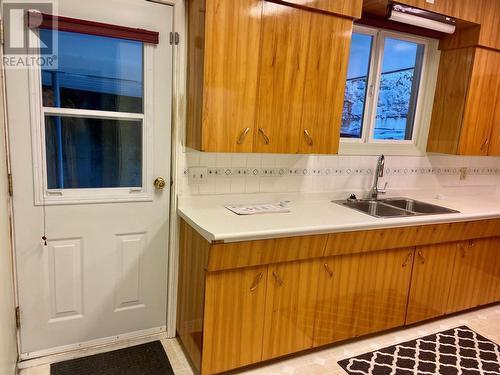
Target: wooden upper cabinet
[[349, 8], [362, 293], [290, 305], [480, 105], [430, 281], [304, 58], [234, 318], [464, 114], [223, 45], [267, 77]]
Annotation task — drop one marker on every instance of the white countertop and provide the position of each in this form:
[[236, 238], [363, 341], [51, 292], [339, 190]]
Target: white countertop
[[314, 213]]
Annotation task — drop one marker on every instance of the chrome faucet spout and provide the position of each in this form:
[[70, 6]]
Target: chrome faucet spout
[[379, 172]]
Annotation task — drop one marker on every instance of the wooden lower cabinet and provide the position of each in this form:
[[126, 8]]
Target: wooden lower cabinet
[[362, 293], [476, 275], [290, 306], [246, 302], [430, 282], [235, 303]]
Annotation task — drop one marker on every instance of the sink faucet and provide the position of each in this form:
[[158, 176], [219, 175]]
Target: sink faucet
[[379, 172]]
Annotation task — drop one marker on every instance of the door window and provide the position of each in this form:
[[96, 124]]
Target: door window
[[94, 111]]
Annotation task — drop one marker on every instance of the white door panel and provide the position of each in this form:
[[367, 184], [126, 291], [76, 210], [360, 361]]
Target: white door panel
[[103, 272]]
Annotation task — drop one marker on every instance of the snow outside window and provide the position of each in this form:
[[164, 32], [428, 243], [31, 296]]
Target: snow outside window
[[387, 79]]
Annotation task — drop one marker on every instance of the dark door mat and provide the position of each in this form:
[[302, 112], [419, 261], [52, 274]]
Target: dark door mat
[[455, 351], [145, 359]]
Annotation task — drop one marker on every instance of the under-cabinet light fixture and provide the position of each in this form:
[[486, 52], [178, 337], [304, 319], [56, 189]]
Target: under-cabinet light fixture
[[421, 18]]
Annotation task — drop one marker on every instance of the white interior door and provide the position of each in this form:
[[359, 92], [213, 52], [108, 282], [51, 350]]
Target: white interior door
[[87, 142]]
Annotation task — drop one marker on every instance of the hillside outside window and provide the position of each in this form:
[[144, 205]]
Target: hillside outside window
[[384, 89]]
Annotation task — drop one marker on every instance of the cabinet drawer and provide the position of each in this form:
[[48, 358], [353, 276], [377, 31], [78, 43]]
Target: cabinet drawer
[[253, 253]]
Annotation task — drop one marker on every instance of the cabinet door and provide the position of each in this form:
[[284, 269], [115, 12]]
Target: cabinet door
[[493, 289], [326, 73], [430, 281], [476, 277], [283, 54], [234, 318], [290, 305], [362, 293], [232, 39], [494, 147], [479, 115]]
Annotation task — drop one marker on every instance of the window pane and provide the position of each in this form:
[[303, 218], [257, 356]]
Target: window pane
[[401, 70], [94, 72], [355, 91], [93, 153]]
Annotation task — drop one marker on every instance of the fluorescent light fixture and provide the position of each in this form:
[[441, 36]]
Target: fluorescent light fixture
[[422, 18]]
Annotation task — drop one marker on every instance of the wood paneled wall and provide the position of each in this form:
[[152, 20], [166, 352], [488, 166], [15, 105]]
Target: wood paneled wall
[[351, 9]]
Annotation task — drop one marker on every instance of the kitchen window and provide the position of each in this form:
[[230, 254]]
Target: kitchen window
[[389, 92]]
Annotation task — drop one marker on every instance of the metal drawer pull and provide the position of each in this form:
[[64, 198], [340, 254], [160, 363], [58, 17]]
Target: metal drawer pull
[[279, 280], [309, 139], [485, 143], [405, 263], [266, 138], [328, 270], [243, 135], [256, 282], [462, 250], [421, 257]]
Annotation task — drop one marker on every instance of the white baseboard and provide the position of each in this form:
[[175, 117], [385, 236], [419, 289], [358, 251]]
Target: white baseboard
[[67, 352]]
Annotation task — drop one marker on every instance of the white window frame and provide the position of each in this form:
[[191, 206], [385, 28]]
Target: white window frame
[[46, 196], [367, 145]]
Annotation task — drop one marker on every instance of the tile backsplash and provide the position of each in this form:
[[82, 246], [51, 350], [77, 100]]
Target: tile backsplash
[[254, 173]]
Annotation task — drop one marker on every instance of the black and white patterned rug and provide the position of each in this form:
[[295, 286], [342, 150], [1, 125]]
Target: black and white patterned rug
[[458, 351]]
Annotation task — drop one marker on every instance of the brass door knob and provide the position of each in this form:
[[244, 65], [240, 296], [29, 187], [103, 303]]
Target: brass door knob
[[160, 183]]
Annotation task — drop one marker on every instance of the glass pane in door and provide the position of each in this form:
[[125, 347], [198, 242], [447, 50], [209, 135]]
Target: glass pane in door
[[94, 72], [93, 153]]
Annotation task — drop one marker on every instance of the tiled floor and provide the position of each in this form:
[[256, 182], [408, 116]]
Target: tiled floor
[[485, 321]]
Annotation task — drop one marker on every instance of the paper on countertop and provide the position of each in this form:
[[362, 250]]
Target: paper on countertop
[[253, 209]]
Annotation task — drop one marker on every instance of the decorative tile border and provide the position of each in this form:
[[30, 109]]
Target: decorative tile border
[[222, 172]]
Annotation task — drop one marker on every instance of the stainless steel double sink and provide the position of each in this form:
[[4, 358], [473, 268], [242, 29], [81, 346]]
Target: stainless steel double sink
[[395, 207]]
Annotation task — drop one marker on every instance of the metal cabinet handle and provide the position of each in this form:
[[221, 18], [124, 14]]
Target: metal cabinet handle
[[266, 138], [256, 282], [472, 243], [243, 135], [308, 137], [279, 280], [462, 249], [328, 270], [405, 263], [421, 256], [485, 143]]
